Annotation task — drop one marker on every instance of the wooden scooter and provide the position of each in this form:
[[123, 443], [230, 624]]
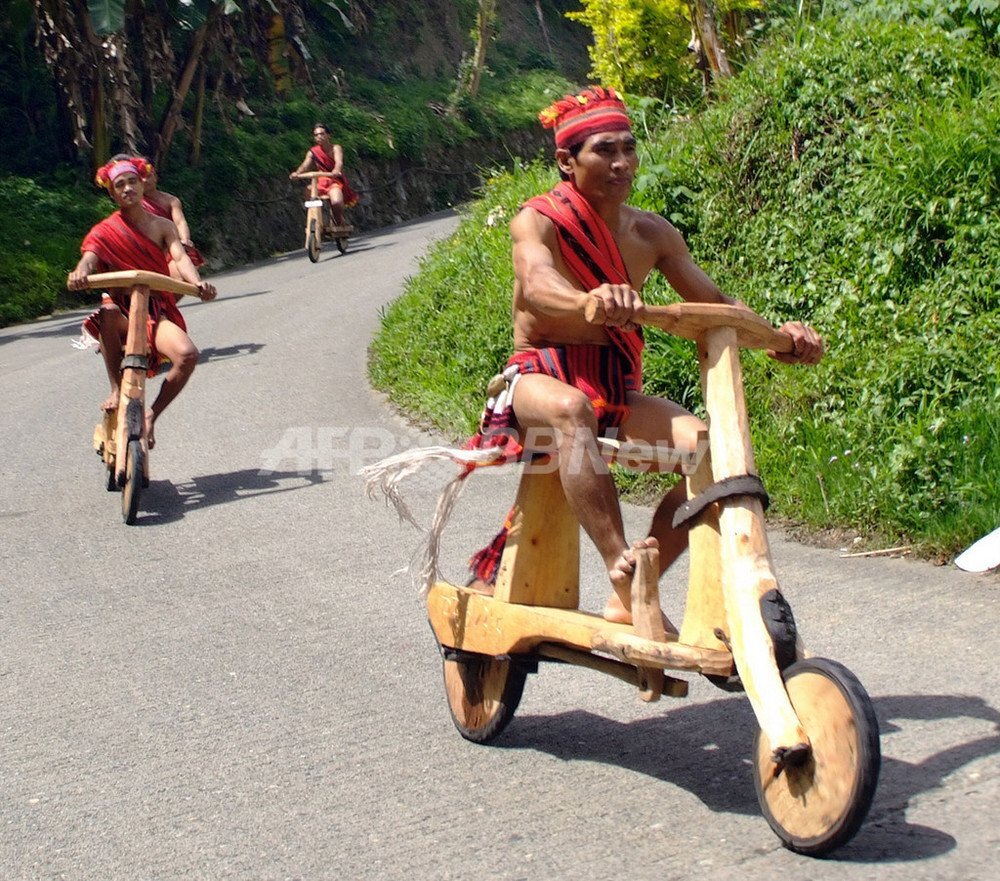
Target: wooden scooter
[[816, 753], [315, 227], [120, 437]]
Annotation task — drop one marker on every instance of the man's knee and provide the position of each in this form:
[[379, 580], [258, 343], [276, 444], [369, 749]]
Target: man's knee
[[572, 410], [187, 358]]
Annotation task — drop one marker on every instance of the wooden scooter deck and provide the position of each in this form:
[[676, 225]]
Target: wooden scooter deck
[[467, 620]]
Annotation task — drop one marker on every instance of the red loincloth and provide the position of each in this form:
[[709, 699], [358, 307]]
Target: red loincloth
[[325, 184], [600, 372], [120, 246], [603, 373]]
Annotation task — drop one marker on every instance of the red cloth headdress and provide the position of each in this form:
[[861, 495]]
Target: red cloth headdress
[[576, 117], [107, 173]]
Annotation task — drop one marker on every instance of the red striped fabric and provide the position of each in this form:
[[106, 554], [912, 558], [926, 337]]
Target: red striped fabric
[[121, 246], [591, 254]]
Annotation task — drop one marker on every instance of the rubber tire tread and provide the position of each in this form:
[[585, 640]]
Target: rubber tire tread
[[312, 243]]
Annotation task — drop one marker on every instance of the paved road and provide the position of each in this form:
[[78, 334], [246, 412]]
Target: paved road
[[238, 686]]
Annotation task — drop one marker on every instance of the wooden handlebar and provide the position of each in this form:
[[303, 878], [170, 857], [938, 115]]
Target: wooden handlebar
[[308, 175], [692, 320], [130, 277]]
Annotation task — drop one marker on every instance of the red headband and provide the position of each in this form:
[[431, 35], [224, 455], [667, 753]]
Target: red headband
[[576, 117], [107, 173]]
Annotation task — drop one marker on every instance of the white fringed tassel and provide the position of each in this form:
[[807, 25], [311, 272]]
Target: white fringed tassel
[[85, 341], [386, 475], [429, 572]]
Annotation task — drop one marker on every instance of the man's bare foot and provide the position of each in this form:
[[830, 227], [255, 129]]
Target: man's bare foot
[[150, 436], [480, 586], [111, 403], [619, 605]]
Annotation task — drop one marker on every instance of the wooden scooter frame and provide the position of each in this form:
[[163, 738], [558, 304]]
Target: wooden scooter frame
[[726, 633], [120, 436], [314, 218]]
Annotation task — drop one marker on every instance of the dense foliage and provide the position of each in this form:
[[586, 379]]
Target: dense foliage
[[848, 177], [375, 75]]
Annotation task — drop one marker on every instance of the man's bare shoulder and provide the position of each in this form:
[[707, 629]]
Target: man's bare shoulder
[[655, 229], [159, 229], [531, 224]]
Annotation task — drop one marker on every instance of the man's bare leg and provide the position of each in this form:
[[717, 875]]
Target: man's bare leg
[[337, 206], [655, 421], [113, 328], [544, 402], [175, 344]]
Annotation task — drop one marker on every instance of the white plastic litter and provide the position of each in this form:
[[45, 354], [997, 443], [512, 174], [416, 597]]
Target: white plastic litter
[[981, 556]]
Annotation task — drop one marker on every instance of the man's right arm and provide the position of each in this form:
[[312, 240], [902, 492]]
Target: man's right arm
[[77, 280], [547, 290], [305, 166]]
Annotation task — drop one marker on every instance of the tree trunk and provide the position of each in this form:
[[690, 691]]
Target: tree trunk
[[704, 22], [199, 116], [484, 32], [99, 127], [172, 117]]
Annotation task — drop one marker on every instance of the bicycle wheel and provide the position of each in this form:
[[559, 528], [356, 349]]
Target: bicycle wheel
[[483, 692], [133, 482], [312, 241], [818, 805]]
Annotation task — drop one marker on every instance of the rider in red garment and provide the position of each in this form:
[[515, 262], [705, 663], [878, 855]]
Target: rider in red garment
[[327, 156]]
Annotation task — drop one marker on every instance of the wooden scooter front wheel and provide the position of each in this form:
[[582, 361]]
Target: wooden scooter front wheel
[[134, 474], [819, 804], [312, 240], [483, 692]]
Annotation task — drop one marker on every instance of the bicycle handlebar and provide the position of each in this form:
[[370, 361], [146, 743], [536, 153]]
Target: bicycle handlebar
[[308, 175], [692, 320], [130, 277]]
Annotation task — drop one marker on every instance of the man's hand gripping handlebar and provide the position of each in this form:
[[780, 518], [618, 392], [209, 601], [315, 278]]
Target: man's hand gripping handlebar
[[793, 343]]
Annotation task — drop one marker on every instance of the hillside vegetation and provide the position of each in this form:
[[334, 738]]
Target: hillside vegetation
[[383, 86], [847, 177]]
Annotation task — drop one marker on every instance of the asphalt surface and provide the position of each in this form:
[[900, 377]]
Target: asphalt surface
[[239, 686]]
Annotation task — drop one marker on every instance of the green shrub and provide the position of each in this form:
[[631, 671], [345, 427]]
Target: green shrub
[[43, 229]]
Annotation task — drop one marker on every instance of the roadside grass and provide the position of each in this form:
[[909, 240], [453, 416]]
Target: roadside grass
[[848, 178]]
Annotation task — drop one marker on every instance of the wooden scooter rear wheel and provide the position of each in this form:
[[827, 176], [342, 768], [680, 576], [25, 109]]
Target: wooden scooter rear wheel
[[483, 692], [818, 805]]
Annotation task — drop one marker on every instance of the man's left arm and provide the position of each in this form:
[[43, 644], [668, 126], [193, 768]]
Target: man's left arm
[[180, 221], [184, 265], [693, 284]]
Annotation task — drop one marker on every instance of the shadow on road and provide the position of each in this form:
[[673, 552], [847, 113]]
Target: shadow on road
[[706, 749], [166, 502], [47, 327], [222, 353]]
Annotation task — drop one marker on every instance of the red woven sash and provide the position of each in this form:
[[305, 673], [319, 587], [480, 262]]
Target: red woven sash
[[591, 254]]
